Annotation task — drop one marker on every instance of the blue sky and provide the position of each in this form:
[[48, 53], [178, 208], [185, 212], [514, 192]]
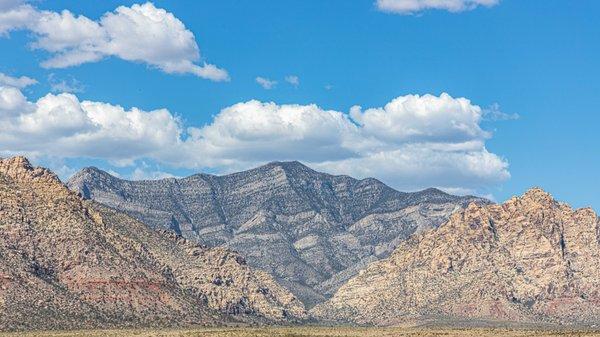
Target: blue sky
[[540, 60]]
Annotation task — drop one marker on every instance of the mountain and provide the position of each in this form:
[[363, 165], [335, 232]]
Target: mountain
[[70, 263], [312, 231], [531, 259]]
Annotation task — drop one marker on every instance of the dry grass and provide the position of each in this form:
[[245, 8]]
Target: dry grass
[[308, 332]]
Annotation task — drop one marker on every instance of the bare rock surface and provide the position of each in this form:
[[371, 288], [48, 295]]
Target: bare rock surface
[[312, 231], [531, 259], [71, 263]]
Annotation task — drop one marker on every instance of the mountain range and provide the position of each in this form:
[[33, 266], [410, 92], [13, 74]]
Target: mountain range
[[71, 263], [284, 244], [312, 231]]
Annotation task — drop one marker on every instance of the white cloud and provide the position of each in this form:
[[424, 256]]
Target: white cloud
[[12, 105], [293, 80], [415, 6], [421, 165], [140, 33], [18, 82], [422, 118], [410, 143], [15, 16], [62, 126], [266, 83], [254, 132]]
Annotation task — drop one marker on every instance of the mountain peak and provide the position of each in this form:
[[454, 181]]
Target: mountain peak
[[289, 165], [537, 195], [20, 168], [93, 170], [91, 173], [433, 190], [17, 162]]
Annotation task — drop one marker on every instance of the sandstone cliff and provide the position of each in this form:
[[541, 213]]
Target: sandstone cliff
[[69, 263], [311, 230], [529, 259]]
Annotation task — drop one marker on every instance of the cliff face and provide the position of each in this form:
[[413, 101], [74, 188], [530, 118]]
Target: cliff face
[[312, 231], [529, 259], [70, 263]]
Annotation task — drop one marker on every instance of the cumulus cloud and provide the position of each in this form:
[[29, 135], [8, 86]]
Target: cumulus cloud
[[422, 118], [13, 103], [18, 82], [266, 83], [251, 132], [63, 126], [14, 15], [140, 33], [416, 6], [412, 142]]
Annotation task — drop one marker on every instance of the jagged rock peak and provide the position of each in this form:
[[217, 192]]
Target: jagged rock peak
[[294, 164], [94, 172], [537, 194], [18, 161], [19, 168], [14, 164], [284, 167]]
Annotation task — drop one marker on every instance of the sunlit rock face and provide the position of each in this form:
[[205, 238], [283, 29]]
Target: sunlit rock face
[[71, 263], [531, 259]]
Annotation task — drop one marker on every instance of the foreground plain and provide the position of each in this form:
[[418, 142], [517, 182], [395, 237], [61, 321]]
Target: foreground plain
[[309, 332]]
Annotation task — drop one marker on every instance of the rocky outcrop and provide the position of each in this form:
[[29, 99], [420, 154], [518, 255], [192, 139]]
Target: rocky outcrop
[[311, 230], [69, 263], [529, 259]]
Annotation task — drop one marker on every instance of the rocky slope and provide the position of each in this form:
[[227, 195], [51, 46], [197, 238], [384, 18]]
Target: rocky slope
[[70, 263], [313, 231], [529, 259]]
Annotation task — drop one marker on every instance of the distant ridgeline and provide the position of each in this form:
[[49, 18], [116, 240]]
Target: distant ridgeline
[[311, 231]]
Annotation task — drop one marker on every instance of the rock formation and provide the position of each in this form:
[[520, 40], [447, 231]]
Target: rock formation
[[531, 259], [69, 263], [312, 231]]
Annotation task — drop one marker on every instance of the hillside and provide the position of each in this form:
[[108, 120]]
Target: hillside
[[69, 263], [531, 259]]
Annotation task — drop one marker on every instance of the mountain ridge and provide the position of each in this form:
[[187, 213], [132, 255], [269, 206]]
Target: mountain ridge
[[311, 230], [282, 164]]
